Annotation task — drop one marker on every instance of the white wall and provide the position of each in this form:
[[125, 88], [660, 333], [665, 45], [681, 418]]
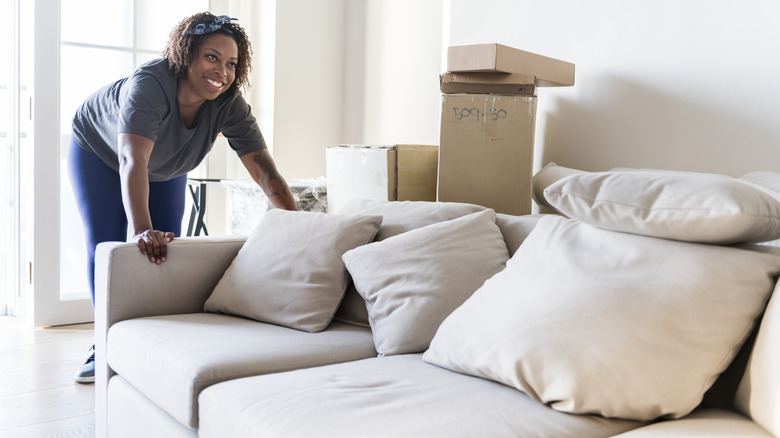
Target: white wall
[[349, 71], [309, 84], [676, 84], [296, 92], [402, 61]]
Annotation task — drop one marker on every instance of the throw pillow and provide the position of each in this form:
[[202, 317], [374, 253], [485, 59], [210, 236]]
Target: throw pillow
[[689, 206], [591, 321], [764, 180], [289, 272], [398, 217], [412, 281]]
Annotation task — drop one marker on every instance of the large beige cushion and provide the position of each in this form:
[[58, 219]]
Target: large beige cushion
[[397, 217], [289, 272], [171, 359], [690, 206], [387, 397], [621, 325], [412, 281]]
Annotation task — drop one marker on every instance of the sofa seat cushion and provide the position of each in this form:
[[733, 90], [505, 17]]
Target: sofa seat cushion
[[710, 423], [392, 396], [171, 359]]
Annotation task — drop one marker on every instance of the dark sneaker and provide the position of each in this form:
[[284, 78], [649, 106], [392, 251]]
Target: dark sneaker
[[86, 373]]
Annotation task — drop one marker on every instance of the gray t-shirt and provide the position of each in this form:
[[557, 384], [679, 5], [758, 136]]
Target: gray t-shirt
[[145, 103]]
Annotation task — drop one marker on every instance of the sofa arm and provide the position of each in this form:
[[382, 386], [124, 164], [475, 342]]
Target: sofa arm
[[128, 286]]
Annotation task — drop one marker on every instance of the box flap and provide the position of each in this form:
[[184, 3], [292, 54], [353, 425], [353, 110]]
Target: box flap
[[498, 58], [487, 83]]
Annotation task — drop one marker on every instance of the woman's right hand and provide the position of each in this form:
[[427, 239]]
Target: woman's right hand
[[134, 152], [154, 244]]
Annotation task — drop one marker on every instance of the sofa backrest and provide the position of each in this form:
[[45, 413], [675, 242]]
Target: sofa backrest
[[758, 395], [515, 229], [544, 178]]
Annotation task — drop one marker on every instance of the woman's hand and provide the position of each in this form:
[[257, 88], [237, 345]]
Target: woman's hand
[[134, 152], [154, 244]]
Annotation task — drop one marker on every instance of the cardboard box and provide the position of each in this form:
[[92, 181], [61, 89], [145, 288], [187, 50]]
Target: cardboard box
[[486, 151], [497, 58], [487, 83], [400, 172]]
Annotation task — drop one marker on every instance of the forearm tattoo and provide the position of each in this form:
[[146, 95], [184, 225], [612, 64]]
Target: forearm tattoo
[[270, 174]]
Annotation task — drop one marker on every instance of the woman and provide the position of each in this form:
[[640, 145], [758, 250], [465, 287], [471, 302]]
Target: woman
[[134, 141]]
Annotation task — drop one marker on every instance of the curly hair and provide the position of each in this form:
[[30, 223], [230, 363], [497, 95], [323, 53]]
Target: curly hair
[[183, 43]]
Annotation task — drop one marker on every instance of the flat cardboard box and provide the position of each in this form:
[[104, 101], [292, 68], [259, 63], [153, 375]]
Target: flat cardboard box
[[401, 172], [487, 83], [486, 151], [498, 58]]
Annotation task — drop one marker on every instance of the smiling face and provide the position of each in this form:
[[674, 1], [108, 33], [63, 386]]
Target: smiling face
[[212, 70]]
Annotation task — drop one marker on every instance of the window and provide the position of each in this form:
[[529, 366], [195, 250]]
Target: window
[[15, 37], [101, 42]]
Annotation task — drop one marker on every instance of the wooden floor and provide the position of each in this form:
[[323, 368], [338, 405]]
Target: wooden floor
[[38, 396]]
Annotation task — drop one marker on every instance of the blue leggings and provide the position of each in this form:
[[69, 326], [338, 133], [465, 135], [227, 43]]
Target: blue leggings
[[99, 200]]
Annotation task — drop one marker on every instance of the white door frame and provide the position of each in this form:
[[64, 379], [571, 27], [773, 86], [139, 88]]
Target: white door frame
[[45, 306]]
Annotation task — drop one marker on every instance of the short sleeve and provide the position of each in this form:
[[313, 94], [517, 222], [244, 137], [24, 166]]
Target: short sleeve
[[144, 105], [241, 128]]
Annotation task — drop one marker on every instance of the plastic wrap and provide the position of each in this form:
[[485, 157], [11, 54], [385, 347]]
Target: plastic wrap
[[247, 202]]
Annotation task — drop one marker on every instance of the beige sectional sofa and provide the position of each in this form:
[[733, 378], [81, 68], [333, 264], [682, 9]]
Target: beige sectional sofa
[[637, 311]]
